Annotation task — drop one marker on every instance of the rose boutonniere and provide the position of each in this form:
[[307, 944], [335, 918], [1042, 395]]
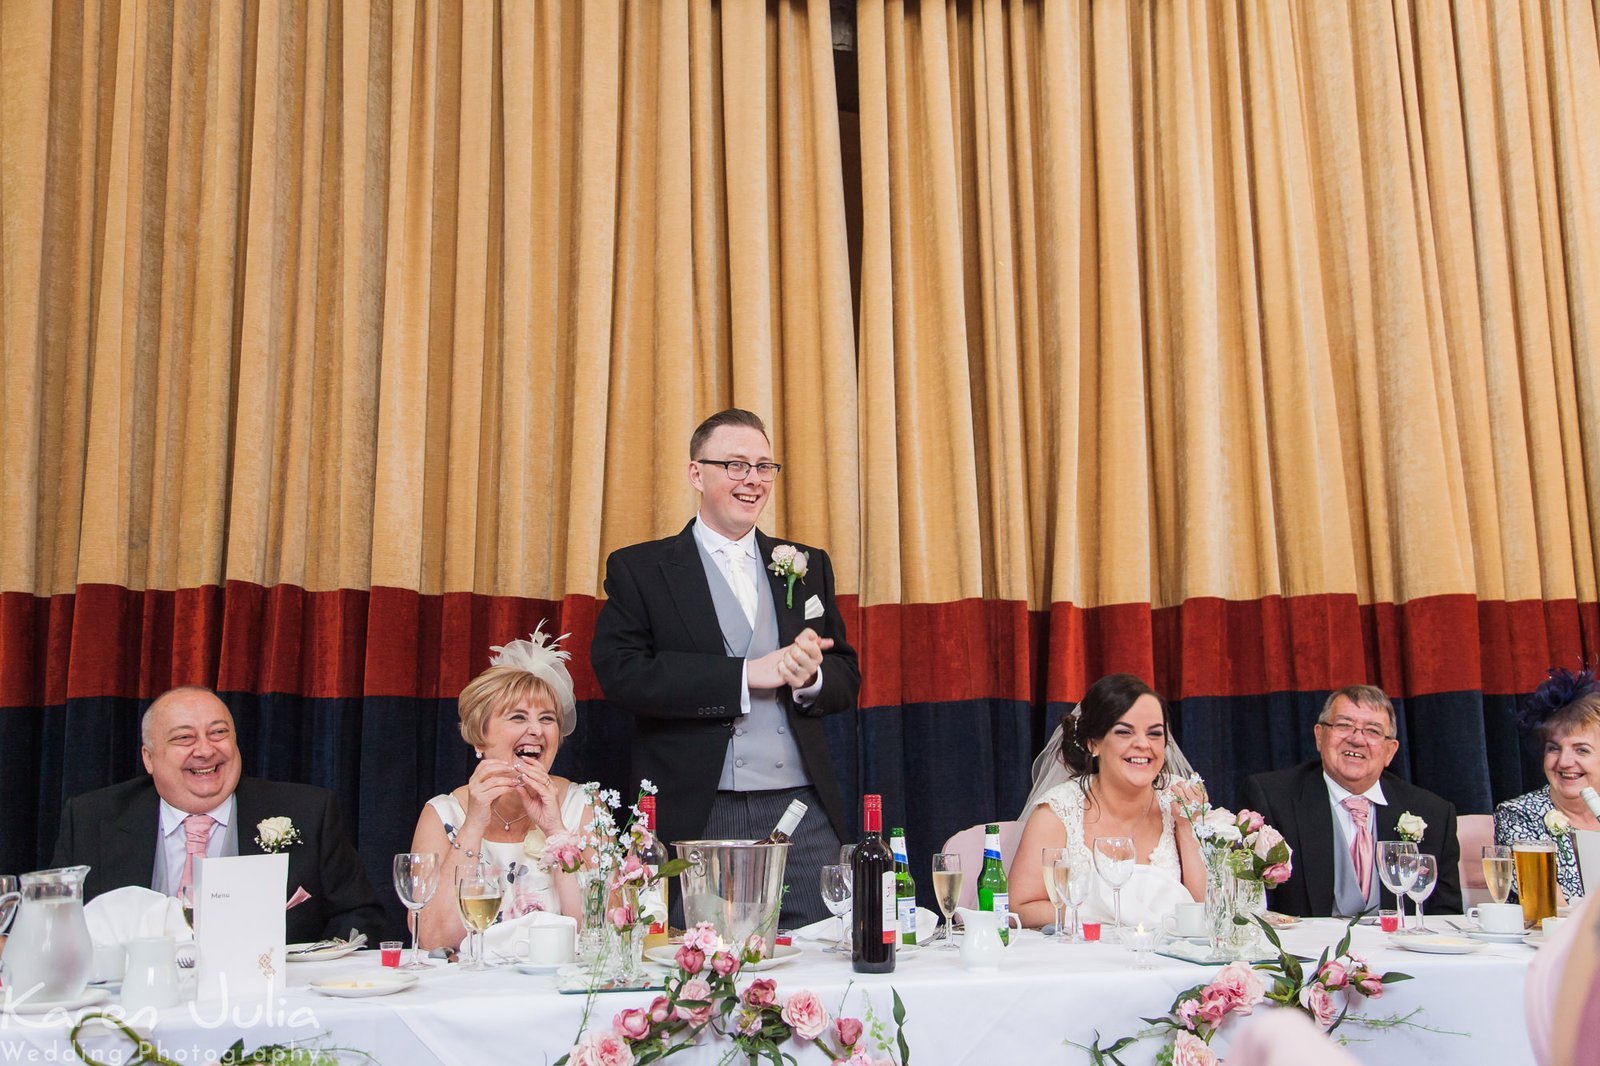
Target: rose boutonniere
[[1558, 824], [788, 562], [275, 834], [1410, 827]]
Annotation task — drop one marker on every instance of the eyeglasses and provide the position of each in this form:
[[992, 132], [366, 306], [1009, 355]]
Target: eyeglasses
[[738, 469], [1345, 727]]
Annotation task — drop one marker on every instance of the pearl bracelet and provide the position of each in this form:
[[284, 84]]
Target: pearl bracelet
[[468, 852]]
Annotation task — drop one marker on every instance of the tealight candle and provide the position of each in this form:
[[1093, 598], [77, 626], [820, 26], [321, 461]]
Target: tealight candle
[[1141, 940]]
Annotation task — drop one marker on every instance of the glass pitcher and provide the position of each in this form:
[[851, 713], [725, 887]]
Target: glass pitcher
[[49, 955]]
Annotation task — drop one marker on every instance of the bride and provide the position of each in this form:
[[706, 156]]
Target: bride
[[1117, 782]]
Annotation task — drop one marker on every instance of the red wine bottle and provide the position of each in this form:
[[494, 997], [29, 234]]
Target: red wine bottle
[[872, 894]]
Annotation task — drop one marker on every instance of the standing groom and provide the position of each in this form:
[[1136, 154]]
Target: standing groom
[[727, 675]]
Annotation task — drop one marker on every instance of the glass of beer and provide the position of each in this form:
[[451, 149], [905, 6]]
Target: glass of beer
[[1535, 862], [1498, 871]]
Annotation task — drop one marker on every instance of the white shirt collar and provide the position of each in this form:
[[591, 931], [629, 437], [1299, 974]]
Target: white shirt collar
[[1340, 793], [172, 818], [714, 541]]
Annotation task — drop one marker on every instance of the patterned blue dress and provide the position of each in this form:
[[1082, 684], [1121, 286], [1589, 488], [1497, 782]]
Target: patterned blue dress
[[1523, 819]]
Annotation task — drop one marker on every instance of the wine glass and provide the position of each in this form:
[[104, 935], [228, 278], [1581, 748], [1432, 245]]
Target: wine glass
[[947, 890], [416, 879], [1077, 892], [1422, 887], [1498, 870], [1056, 864], [1114, 858], [1397, 868], [479, 889], [836, 889]]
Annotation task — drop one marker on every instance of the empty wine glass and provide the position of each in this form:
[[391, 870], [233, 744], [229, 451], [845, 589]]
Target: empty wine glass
[[479, 889], [1056, 864], [1397, 868], [416, 879], [1114, 858], [1422, 887], [947, 892], [836, 888], [1499, 866], [1078, 891]]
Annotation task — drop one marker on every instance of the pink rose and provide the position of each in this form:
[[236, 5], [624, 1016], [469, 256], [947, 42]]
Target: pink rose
[[1355, 962], [690, 959], [762, 993], [755, 948], [602, 1049], [1370, 985], [1250, 821], [660, 1010], [1277, 874], [848, 1030], [1190, 1050], [805, 1014], [726, 963], [695, 989], [702, 936], [1215, 1003], [1318, 1002], [857, 1058], [1265, 840], [1244, 986], [632, 1023], [749, 1023], [1334, 975], [632, 870], [620, 917], [1186, 1013]]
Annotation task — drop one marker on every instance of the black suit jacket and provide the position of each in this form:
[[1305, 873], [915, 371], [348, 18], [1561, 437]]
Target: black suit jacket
[[1295, 802], [659, 655], [113, 831]]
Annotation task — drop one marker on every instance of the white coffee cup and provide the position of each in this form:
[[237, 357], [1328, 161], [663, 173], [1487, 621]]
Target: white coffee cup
[[1186, 919], [1498, 917], [548, 945], [1550, 925]]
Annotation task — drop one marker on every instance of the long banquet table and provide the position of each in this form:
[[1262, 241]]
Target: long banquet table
[[1045, 994]]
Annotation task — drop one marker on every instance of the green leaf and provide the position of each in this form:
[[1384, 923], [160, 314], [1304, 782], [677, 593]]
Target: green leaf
[[673, 867], [1395, 975]]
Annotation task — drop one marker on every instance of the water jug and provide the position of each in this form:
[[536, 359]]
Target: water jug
[[981, 948], [49, 955]]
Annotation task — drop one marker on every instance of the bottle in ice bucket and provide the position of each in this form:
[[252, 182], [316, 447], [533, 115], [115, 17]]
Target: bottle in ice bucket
[[994, 894], [786, 825], [905, 889], [872, 896]]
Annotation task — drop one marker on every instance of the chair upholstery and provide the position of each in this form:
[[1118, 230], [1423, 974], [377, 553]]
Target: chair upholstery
[[1473, 831], [969, 845]]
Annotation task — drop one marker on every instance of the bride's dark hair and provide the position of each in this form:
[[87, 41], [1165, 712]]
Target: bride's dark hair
[[1101, 708]]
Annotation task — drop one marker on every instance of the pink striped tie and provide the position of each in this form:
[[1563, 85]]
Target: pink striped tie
[[196, 833], [1360, 809]]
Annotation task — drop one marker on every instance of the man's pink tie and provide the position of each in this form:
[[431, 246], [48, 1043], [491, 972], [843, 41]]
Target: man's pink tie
[[1360, 809], [196, 833]]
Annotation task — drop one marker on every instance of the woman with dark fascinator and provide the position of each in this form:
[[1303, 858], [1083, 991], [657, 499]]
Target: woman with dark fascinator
[[1563, 716]]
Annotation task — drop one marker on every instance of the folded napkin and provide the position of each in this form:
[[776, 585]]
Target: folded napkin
[[1149, 896], [125, 914], [502, 936], [830, 930]]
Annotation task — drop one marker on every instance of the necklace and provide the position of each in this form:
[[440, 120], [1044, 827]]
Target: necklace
[[501, 818]]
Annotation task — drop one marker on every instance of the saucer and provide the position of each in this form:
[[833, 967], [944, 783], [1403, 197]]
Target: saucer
[[1436, 945], [539, 969], [1535, 939], [362, 987], [298, 952], [89, 998], [1495, 938]]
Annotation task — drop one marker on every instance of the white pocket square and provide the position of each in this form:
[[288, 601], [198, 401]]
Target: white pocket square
[[813, 608]]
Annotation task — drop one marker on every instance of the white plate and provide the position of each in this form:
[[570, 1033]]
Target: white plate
[[539, 969], [89, 998], [1281, 921], [1437, 945], [338, 951], [1535, 939], [668, 956], [1496, 938], [362, 987]]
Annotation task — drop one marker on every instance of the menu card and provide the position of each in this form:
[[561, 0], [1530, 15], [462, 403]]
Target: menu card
[[239, 925]]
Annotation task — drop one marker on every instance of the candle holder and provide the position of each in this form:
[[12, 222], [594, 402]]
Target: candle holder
[[1142, 941]]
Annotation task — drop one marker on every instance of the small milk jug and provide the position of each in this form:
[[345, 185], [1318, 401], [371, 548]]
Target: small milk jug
[[981, 948], [49, 955]]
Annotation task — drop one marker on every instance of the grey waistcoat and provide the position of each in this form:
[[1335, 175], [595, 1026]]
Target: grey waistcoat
[[762, 753], [1347, 899]]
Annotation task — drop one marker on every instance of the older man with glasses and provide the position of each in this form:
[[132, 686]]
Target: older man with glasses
[[727, 648], [1333, 810]]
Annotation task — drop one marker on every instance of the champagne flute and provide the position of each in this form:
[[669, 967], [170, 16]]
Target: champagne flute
[[1397, 868], [837, 885], [947, 890], [416, 879], [1077, 891], [1056, 863], [1114, 858], [1498, 869], [479, 889], [1422, 887]]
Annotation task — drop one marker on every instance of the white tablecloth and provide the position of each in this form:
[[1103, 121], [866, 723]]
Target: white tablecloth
[[1046, 993]]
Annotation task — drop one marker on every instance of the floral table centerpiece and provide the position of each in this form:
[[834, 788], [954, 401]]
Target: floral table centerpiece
[[1244, 856]]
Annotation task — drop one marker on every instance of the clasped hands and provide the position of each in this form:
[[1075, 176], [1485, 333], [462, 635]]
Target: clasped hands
[[795, 665], [530, 784]]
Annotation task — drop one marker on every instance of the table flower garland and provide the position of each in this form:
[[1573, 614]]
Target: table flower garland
[[1328, 993], [702, 996]]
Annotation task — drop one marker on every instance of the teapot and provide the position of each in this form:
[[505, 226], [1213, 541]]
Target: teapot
[[981, 946], [49, 955]]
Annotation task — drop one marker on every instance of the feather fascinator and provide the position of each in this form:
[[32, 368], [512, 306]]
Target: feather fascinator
[[541, 656], [1559, 691]]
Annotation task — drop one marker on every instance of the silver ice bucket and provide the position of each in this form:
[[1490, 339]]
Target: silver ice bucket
[[736, 885]]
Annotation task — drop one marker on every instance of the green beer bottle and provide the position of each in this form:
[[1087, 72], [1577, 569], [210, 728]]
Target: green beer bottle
[[994, 894], [905, 888]]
